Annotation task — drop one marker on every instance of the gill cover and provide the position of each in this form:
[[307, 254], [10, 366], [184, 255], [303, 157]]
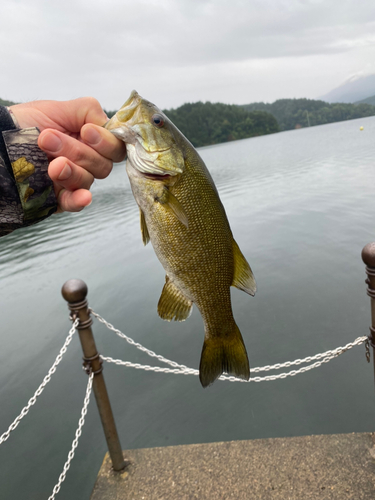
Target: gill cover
[[151, 149]]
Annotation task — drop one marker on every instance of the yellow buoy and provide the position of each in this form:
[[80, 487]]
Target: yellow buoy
[[360, 128]]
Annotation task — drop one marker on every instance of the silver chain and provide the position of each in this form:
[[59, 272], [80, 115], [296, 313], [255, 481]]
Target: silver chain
[[178, 369], [330, 354], [78, 433], [40, 389], [191, 371], [136, 344]]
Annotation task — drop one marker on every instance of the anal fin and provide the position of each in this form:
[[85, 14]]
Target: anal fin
[[173, 304], [144, 230], [243, 278]]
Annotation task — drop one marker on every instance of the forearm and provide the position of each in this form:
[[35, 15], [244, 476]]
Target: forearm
[[26, 191]]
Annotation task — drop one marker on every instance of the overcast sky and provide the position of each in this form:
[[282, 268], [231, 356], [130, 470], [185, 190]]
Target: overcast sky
[[175, 51]]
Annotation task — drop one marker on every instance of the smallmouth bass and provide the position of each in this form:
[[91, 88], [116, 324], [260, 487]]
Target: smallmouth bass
[[183, 217]]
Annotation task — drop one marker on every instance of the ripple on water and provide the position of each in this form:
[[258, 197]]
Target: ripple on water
[[301, 206]]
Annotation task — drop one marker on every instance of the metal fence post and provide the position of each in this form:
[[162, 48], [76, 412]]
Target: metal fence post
[[74, 292], [368, 257]]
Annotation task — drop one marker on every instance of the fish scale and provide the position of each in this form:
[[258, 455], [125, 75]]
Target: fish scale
[[182, 215]]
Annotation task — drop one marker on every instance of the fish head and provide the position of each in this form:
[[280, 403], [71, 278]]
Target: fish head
[[150, 137]]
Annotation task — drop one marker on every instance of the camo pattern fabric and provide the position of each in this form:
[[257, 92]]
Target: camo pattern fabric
[[26, 191]]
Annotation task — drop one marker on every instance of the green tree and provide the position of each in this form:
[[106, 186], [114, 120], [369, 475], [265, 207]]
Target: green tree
[[296, 113], [212, 123], [4, 102]]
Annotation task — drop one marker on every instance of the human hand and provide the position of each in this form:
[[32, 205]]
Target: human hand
[[78, 148]]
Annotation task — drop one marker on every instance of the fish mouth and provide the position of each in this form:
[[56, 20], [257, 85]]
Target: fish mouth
[[152, 163], [133, 95], [149, 150], [133, 138], [116, 125], [127, 110], [158, 177]]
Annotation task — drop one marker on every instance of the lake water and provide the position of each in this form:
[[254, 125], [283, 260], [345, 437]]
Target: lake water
[[301, 205]]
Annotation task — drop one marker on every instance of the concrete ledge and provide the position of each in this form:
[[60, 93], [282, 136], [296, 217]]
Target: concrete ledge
[[340, 466]]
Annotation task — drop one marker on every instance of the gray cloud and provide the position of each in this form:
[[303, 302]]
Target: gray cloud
[[173, 51]]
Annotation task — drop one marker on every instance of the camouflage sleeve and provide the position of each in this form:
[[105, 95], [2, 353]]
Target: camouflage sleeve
[[26, 191]]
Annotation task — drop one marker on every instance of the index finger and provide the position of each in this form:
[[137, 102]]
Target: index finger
[[105, 143], [65, 116]]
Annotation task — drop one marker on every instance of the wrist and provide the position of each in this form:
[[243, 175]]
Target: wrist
[[13, 116], [6, 120]]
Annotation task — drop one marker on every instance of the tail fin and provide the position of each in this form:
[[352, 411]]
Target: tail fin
[[223, 354]]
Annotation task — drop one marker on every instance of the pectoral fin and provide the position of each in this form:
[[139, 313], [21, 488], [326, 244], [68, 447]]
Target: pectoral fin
[[243, 277], [170, 202], [144, 230], [173, 304]]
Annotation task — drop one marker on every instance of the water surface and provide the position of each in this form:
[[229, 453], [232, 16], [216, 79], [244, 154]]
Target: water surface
[[301, 206]]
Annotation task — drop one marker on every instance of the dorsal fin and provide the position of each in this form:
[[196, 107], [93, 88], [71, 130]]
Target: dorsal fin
[[243, 278], [144, 230], [173, 304]]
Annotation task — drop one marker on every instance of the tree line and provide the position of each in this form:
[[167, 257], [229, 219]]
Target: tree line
[[212, 123], [297, 113], [4, 102], [206, 123]]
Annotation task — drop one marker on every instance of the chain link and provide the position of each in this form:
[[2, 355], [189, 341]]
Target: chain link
[[40, 389], [191, 371], [331, 354], [136, 344], [78, 433], [178, 369]]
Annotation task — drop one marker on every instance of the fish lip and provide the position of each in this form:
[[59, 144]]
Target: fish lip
[[133, 96], [120, 132], [152, 177], [157, 177], [147, 162]]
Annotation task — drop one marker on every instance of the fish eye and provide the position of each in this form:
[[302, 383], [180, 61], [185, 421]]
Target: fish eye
[[158, 121]]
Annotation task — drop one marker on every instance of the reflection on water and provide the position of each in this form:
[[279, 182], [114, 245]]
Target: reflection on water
[[112, 208], [301, 206]]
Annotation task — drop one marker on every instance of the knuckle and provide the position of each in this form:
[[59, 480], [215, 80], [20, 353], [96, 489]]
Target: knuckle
[[77, 152], [81, 179], [91, 102], [104, 170], [55, 166], [77, 179]]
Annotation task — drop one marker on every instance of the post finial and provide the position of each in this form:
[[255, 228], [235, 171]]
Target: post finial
[[368, 254], [74, 290]]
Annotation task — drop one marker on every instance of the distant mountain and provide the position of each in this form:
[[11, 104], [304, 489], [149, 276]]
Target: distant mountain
[[368, 100], [353, 90]]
